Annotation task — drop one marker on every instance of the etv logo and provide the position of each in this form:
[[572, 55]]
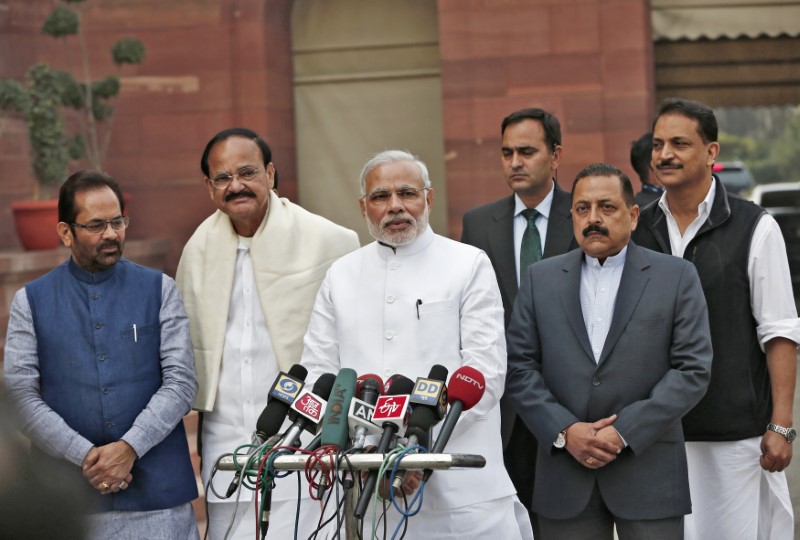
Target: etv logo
[[389, 407]]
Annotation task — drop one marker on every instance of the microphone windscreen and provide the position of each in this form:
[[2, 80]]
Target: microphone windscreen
[[271, 418], [397, 385], [368, 377], [298, 372], [467, 386], [438, 373], [334, 423], [421, 420], [324, 385]]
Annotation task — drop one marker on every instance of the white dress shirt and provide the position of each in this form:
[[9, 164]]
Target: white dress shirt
[[248, 369], [599, 287], [521, 222]]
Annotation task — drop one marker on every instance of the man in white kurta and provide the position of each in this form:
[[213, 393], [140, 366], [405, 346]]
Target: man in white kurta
[[404, 303], [249, 275]]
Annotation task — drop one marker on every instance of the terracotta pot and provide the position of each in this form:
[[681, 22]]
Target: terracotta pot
[[36, 224]]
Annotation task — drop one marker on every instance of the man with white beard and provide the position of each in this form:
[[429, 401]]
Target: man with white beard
[[404, 303]]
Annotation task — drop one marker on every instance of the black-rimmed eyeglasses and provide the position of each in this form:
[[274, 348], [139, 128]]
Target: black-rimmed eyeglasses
[[99, 227]]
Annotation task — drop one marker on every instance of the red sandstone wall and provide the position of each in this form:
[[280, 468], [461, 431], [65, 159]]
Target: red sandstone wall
[[590, 62], [210, 65]]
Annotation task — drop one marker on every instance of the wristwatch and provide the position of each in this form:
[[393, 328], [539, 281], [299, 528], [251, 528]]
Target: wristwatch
[[561, 440], [787, 432]]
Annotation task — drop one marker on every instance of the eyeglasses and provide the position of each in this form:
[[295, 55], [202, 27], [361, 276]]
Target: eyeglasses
[[223, 180], [406, 194], [99, 227]]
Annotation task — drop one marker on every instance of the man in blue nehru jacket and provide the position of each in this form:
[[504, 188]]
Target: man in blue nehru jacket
[[99, 362]]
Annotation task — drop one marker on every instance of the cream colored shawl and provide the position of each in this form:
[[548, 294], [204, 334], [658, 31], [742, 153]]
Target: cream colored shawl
[[291, 251]]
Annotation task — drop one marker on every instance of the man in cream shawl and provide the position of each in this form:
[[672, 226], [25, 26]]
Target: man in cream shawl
[[249, 276]]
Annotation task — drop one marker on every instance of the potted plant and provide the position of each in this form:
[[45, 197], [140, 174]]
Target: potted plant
[[43, 99]]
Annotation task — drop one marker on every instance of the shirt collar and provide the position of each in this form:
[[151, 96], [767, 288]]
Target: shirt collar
[[91, 277], [543, 207], [611, 262], [703, 209]]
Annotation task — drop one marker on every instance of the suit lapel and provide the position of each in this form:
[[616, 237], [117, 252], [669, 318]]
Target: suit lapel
[[571, 300], [631, 287], [560, 236], [500, 234]]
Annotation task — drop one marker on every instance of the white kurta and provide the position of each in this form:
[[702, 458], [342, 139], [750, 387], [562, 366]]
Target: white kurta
[[365, 318]]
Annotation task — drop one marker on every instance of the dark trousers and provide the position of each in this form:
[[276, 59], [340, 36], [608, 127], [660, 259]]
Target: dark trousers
[[595, 522]]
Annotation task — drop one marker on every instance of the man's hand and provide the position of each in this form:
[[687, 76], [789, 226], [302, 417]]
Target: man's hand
[[594, 445], [776, 452], [108, 468], [410, 484]]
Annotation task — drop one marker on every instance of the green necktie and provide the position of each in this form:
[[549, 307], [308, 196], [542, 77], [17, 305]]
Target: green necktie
[[531, 250]]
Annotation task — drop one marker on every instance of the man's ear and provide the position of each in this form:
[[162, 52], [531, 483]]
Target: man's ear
[[362, 205], [65, 233]]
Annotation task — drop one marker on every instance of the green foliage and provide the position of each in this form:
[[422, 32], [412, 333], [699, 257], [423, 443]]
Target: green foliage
[[62, 22], [47, 92], [127, 51], [46, 127]]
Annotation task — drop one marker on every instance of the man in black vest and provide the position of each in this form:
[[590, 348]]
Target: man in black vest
[[739, 435], [504, 229]]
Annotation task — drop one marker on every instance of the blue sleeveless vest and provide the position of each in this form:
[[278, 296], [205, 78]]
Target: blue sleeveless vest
[[98, 376]]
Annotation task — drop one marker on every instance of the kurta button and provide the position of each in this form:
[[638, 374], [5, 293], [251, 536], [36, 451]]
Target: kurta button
[[393, 266], [95, 296], [595, 381], [389, 334], [98, 325], [390, 299], [105, 390], [109, 424], [102, 358]]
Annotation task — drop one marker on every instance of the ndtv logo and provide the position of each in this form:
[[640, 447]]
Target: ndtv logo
[[467, 379]]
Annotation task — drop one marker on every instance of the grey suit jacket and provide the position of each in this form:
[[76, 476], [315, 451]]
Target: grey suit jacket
[[654, 367]]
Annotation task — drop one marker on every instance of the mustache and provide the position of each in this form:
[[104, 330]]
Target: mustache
[[110, 243], [243, 193], [400, 217], [595, 228], [668, 163]]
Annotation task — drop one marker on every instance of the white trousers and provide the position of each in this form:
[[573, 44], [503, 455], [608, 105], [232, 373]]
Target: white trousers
[[281, 523], [733, 497]]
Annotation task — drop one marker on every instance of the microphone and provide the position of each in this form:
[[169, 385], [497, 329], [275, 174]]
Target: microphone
[[359, 417], [466, 388], [430, 399], [334, 423], [391, 412], [307, 410], [282, 393]]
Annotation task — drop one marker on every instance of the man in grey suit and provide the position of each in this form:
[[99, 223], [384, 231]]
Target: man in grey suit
[[531, 151], [608, 348]]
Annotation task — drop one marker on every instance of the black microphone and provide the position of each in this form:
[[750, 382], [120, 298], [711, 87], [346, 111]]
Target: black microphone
[[429, 398], [467, 386], [307, 410], [281, 395], [391, 410]]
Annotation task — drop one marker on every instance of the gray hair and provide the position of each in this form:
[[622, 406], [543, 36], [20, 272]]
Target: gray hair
[[393, 156]]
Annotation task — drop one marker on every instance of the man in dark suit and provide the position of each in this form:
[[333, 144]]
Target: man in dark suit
[[608, 348], [531, 151], [641, 161]]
